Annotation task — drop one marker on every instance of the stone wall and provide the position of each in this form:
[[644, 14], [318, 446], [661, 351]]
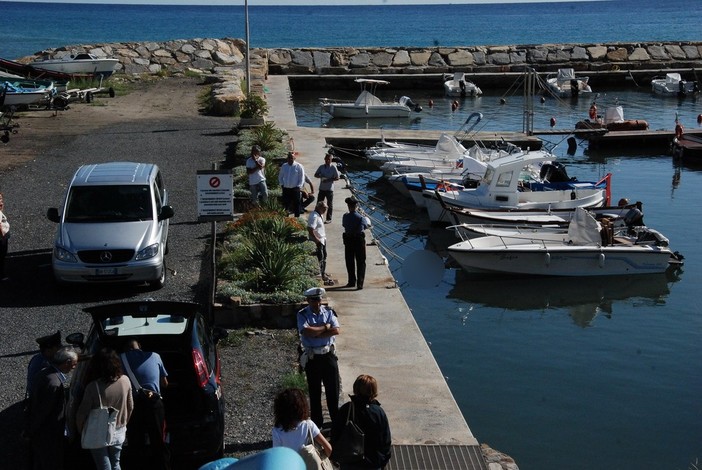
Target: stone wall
[[485, 59]]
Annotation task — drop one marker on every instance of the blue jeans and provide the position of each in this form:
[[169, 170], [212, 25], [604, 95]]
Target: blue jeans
[[107, 458], [259, 190]]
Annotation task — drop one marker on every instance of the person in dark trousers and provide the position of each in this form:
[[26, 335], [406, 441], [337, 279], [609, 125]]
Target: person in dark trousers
[[355, 244], [291, 179], [48, 345], [365, 411], [148, 376], [46, 427], [327, 174], [318, 326]]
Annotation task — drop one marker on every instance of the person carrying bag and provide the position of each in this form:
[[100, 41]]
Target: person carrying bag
[[363, 440], [100, 428], [314, 459]]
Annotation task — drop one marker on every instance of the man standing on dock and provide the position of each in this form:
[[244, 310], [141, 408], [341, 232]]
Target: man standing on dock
[[327, 174], [291, 179], [355, 244], [318, 325]]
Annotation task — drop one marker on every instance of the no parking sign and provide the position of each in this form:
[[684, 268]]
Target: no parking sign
[[214, 195]]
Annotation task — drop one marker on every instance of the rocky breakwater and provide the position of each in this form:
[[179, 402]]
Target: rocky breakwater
[[220, 61], [486, 59]]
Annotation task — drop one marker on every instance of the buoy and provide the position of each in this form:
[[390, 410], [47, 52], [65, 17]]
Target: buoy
[[553, 121], [699, 119], [503, 101], [593, 112], [454, 105], [431, 103], [543, 99]]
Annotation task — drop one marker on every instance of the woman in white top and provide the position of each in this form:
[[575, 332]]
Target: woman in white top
[[293, 425]]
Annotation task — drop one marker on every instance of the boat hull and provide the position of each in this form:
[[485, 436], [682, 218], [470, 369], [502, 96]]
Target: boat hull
[[104, 67], [350, 111], [500, 256]]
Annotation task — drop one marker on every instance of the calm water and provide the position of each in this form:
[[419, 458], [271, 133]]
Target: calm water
[[31, 27], [557, 373], [563, 373]]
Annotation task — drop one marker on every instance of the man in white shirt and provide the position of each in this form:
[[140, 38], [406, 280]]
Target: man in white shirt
[[255, 168], [315, 228], [291, 179]]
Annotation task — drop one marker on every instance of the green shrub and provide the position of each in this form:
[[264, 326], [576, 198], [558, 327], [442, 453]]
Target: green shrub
[[294, 380], [253, 106]]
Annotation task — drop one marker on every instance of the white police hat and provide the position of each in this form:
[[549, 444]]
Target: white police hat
[[317, 292]]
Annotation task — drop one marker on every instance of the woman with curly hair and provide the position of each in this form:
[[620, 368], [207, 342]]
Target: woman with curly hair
[[293, 427], [111, 388]]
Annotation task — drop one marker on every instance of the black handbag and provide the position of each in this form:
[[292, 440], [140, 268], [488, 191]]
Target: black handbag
[[350, 446]]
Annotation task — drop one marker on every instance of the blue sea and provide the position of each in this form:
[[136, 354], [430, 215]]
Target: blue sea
[[585, 375], [30, 27]]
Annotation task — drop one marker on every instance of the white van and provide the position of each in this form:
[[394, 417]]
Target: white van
[[113, 225]]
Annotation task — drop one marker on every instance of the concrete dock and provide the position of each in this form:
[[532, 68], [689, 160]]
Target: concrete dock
[[379, 335]]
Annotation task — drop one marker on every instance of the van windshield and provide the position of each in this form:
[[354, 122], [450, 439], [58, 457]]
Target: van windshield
[[111, 203]]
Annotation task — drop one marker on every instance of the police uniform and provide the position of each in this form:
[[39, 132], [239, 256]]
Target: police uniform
[[319, 357]]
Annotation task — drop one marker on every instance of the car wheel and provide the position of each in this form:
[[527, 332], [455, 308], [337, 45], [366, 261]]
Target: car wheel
[[159, 283]]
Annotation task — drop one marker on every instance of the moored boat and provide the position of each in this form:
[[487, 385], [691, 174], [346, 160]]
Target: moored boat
[[673, 85], [368, 106], [565, 84], [583, 251], [458, 84]]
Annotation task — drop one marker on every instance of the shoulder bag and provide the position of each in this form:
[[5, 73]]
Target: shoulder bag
[[350, 446], [99, 429], [313, 457]]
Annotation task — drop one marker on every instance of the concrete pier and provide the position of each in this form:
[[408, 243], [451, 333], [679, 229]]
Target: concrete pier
[[379, 335]]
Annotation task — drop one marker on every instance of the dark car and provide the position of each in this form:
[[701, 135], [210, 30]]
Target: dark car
[[187, 343]]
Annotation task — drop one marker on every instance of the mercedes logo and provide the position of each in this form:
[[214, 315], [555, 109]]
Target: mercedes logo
[[105, 256]]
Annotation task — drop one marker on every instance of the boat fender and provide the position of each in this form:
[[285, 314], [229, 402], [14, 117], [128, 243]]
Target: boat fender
[[573, 196], [678, 131], [601, 260], [699, 119], [593, 112], [366, 109], [547, 259], [553, 121]]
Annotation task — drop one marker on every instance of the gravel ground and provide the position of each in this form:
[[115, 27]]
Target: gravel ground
[[156, 122]]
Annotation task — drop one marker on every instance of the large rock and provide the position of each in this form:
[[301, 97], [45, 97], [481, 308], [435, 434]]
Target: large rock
[[460, 58], [401, 59], [639, 54], [619, 54]]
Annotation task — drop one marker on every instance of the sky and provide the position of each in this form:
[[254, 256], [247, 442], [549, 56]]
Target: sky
[[293, 2]]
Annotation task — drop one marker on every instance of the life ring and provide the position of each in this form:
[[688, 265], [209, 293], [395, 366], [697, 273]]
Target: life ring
[[442, 186], [593, 112], [678, 131]]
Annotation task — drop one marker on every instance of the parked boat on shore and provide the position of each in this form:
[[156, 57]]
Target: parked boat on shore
[[78, 64]]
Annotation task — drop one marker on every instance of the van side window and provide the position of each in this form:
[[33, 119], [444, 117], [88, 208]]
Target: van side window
[[157, 198]]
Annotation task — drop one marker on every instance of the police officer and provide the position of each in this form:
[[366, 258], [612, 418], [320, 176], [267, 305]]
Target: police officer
[[318, 326], [355, 244], [48, 345]]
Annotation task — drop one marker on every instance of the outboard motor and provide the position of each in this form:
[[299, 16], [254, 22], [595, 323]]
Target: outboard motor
[[407, 101], [633, 218], [574, 88], [554, 172]]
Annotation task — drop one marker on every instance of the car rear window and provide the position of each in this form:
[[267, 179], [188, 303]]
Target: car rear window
[[137, 326]]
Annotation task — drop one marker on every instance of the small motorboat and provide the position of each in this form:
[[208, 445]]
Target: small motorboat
[[674, 85], [460, 85], [613, 121], [565, 84], [521, 180], [368, 106], [584, 250], [688, 149], [78, 64]]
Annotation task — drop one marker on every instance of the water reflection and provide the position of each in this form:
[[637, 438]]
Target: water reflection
[[585, 298]]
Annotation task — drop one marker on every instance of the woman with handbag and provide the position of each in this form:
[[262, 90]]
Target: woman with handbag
[[361, 434], [294, 429], [110, 390]]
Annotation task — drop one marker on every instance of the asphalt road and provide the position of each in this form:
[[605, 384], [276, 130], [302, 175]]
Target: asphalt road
[[161, 126]]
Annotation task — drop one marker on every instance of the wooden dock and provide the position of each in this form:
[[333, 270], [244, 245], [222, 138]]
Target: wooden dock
[[651, 140]]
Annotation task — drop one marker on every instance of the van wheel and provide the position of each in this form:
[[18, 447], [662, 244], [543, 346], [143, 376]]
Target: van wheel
[[159, 283]]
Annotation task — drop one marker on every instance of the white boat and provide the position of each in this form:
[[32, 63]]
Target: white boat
[[530, 217], [79, 64], [565, 84], [19, 96], [674, 85], [448, 146], [510, 182], [460, 85], [582, 251], [367, 105]]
